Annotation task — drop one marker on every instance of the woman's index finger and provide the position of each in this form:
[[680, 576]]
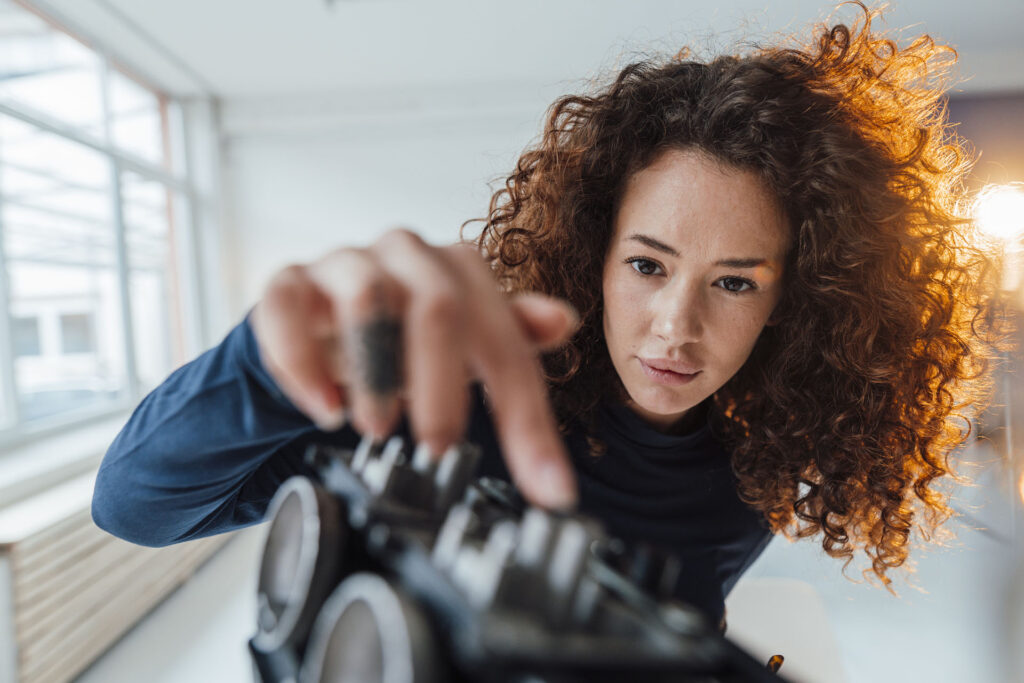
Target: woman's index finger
[[506, 363]]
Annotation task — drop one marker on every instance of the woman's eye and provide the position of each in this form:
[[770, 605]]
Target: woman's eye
[[735, 284], [643, 266]]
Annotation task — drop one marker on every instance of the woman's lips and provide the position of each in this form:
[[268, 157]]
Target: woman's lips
[[667, 376]]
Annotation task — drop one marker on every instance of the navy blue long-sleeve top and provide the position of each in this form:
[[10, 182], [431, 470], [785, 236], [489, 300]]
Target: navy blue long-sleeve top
[[205, 452]]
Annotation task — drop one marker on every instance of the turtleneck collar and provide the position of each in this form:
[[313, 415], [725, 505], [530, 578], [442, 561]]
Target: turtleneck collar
[[619, 423]]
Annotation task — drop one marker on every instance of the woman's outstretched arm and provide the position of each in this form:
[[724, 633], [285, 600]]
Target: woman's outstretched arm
[[205, 451]]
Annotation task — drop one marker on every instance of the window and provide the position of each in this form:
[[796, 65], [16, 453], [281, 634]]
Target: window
[[25, 334], [76, 333], [90, 312]]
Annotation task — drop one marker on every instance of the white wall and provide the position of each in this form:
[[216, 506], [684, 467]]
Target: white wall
[[308, 176]]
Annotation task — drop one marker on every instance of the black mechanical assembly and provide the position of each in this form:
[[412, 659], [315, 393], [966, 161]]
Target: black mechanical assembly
[[394, 567]]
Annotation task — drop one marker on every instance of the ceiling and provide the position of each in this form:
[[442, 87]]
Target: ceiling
[[271, 48]]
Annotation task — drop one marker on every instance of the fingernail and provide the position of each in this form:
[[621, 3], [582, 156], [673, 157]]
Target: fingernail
[[556, 487], [436, 448], [572, 313], [332, 420], [574, 317]]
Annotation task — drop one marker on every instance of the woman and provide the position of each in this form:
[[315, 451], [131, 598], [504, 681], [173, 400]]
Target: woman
[[772, 319]]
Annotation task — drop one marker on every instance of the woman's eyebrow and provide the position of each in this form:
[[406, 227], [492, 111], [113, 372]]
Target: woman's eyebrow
[[658, 245], [653, 244], [744, 263]]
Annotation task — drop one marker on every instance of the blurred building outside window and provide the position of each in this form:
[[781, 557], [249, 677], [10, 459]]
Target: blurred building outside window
[[25, 336], [76, 333], [90, 310]]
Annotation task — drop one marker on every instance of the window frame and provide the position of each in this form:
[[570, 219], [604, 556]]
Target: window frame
[[177, 184]]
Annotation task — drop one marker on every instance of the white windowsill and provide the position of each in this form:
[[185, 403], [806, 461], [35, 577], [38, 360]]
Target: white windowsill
[[52, 460]]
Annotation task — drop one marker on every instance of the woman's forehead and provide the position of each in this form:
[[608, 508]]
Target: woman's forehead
[[686, 199]]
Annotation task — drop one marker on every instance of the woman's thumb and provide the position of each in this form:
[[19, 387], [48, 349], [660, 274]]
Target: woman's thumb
[[547, 322]]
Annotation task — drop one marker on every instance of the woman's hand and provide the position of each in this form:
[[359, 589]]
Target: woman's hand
[[403, 325]]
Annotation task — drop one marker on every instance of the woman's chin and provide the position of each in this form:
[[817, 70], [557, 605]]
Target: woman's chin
[[655, 405]]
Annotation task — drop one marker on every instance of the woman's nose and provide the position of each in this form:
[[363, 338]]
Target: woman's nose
[[679, 315]]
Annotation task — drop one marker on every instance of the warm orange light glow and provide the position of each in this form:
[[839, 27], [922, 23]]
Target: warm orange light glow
[[999, 212]]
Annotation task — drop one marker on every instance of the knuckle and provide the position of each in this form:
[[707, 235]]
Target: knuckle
[[464, 248], [372, 292], [521, 357], [343, 252], [472, 267], [514, 366], [342, 258], [441, 304], [292, 273], [288, 277], [400, 237], [288, 287], [466, 255]]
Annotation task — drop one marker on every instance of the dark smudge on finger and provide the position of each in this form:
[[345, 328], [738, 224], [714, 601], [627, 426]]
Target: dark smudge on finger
[[380, 351]]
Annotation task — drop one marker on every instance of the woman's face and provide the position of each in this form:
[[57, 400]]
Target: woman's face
[[692, 275]]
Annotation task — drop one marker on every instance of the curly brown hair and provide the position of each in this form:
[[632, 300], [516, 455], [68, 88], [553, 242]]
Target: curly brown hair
[[846, 412]]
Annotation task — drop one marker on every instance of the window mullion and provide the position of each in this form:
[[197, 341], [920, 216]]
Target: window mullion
[[192, 305], [121, 240], [7, 383], [123, 277]]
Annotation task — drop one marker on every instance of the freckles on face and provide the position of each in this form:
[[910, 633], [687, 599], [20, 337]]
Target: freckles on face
[[691, 277]]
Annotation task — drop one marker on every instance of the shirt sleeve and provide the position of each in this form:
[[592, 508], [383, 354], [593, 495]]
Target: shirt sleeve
[[205, 451]]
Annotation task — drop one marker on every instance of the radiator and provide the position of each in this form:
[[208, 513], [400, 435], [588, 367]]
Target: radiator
[[69, 590]]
